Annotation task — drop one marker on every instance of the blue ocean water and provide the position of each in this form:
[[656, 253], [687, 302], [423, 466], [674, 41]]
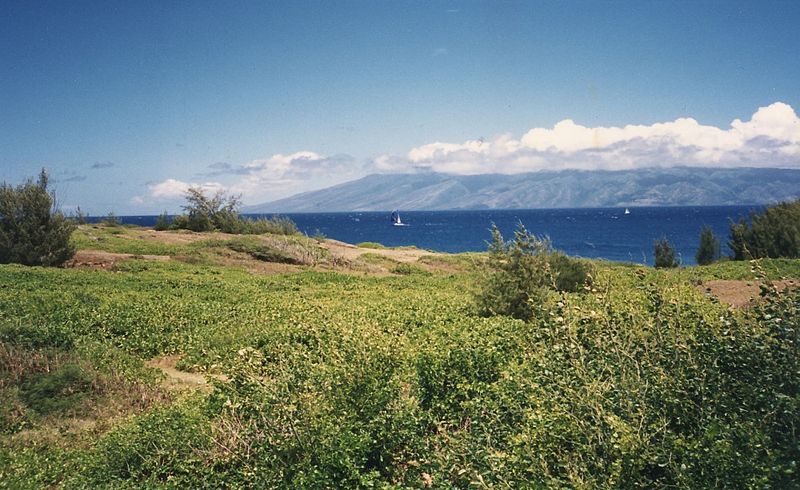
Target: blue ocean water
[[606, 233]]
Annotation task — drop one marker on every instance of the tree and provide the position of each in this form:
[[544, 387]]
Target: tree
[[218, 212], [32, 230], [708, 251], [523, 271], [664, 254], [775, 232]]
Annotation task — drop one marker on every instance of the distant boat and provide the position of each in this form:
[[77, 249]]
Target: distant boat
[[396, 221], [627, 211]]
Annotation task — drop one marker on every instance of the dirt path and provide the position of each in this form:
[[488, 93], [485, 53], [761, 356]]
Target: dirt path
[[177, 379], [97, 259], [741, 293]]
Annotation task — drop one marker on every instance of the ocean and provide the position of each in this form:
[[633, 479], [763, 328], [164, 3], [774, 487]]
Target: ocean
[[603, 233]]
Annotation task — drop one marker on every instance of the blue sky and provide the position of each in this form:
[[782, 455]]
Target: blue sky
[[127, 103]]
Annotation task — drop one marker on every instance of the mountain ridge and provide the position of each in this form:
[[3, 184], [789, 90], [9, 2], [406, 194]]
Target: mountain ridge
[[676, 186]]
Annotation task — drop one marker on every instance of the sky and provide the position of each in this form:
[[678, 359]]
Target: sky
[[127, 104]]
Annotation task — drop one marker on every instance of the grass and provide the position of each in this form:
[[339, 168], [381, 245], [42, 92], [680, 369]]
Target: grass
[[370, 381]]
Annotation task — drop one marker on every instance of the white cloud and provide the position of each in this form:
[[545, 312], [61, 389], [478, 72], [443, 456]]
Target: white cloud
[[771, 138], [269, 178], [173, 189]]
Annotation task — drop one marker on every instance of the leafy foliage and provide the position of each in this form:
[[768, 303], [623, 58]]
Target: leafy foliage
[[708, 251], [664, 254], [163, 222], [772, 233], [523, 270], [32, 231], [344, 380], [220, 212]]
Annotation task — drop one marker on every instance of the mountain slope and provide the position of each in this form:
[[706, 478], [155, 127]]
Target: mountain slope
[[564, 189]]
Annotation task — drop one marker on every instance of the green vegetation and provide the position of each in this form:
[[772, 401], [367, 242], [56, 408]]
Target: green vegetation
[[32, 230], [623, 376], [709, 250], [773, 233], [220, 212], [523, 271], [374, 245], [664, 254]]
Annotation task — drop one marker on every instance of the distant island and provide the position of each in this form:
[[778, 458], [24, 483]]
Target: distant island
[[678, 186]]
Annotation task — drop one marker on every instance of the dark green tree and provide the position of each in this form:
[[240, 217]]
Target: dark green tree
[[775, 232], [163, 222], [32, 230], [523, 271], [664, 254], [708, 251]]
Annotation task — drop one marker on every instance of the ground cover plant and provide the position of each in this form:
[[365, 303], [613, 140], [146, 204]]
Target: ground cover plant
[[336, 378]]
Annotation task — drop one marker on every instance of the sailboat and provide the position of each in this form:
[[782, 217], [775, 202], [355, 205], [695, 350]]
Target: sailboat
[[627, 211], [396, 221]]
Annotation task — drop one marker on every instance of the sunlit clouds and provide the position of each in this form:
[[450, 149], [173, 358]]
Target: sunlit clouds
[[770, 138]]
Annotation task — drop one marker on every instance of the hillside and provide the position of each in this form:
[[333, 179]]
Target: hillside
[[681, 186], [174, 359]]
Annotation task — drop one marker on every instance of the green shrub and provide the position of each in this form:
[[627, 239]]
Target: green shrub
[[164, 447], [162, 222], [111, 220], [220, 212], [406, 269], [32, 231], [664, 254], [57, 392], [773, 233], [373, 245], [524, 269], [261, 251], [708, 251]]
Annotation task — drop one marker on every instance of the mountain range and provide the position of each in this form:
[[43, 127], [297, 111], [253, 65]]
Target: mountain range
[[678, 186]]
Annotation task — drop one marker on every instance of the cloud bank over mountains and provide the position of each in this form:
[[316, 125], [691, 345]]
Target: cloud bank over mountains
[[771, 138]]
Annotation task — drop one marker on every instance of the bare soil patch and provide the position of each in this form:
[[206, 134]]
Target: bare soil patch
[[741, 294], [181, 380], [97, 259]]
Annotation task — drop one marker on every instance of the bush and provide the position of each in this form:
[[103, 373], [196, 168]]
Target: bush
[[59, 391], [664, 255], [221, 213], [774, 233], [111, 220], [32, 231], [524, 269], [261, 251], [708, 251], [163, 222]]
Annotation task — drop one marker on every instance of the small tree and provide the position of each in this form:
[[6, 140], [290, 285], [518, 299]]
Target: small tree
[[708, 251], [524, 270], [664, 254], [163, 222], [204, 213], [32, 230], [775, 232]]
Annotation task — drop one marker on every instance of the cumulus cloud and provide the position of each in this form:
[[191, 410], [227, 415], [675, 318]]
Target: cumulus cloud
[[173, 189], [270, 178], [771, 138]]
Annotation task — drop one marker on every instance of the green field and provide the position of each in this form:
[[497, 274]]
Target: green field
[[371, 372]]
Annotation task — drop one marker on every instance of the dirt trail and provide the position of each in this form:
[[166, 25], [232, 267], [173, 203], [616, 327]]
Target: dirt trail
[[177, 379], [741, 293], [97, 259]]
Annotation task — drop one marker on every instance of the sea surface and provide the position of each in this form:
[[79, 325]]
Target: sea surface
[[605, 233]]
